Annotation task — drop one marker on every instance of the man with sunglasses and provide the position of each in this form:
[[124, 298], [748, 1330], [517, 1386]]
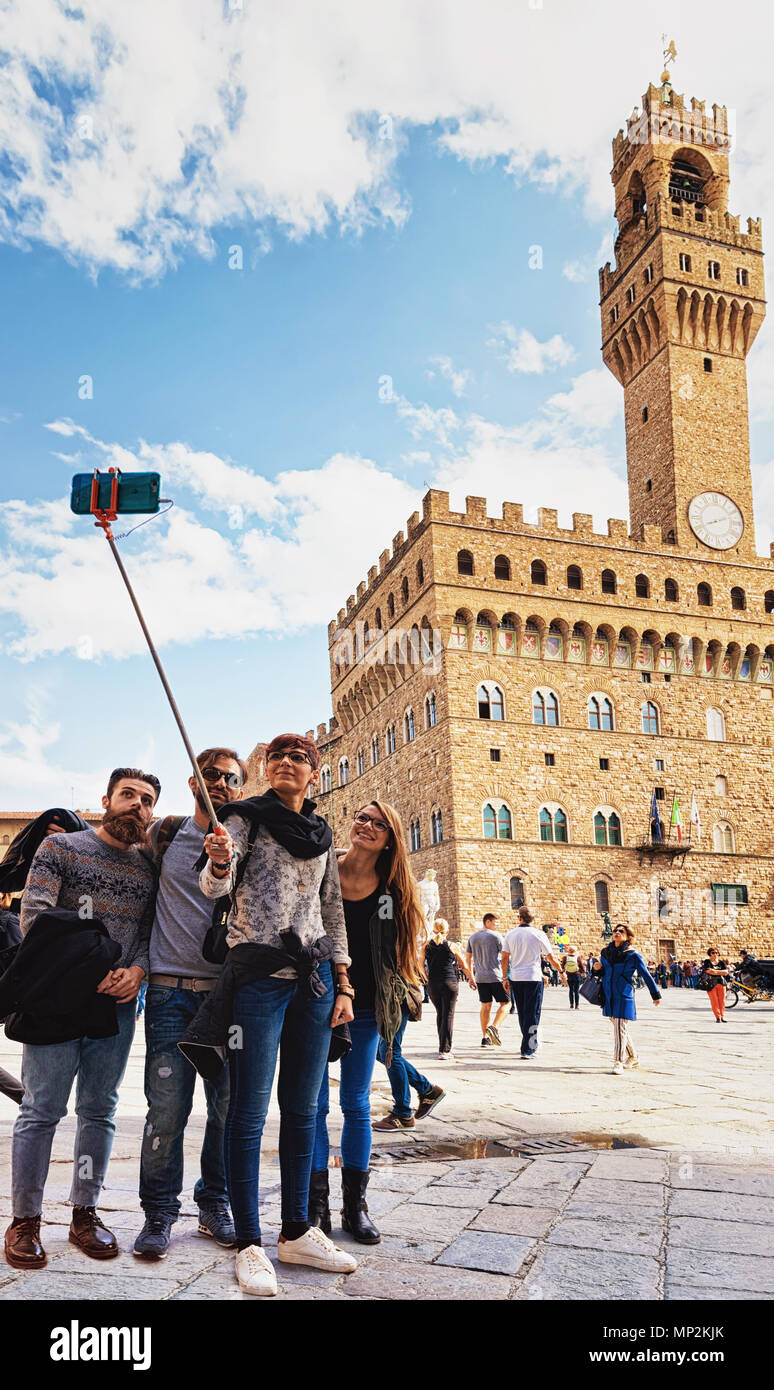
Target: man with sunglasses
[[179, 975]]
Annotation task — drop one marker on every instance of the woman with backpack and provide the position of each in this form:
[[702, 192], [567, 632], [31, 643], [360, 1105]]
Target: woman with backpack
[[572, 968], [619, 964], [383, 921]]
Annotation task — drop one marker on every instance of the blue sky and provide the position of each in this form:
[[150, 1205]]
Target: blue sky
[[255, 391]]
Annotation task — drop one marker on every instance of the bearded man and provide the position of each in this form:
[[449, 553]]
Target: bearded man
[[98, 876]]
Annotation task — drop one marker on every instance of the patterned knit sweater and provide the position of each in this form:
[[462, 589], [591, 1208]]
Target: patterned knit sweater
[[82, 873]]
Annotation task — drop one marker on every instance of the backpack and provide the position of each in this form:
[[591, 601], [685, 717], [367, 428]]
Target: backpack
[[167, 832]]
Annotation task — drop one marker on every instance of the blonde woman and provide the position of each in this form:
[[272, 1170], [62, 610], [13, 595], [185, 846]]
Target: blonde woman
[[440, 959]]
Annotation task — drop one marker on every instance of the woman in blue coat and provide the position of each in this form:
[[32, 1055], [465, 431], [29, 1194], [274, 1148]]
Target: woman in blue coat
[[619, 965]]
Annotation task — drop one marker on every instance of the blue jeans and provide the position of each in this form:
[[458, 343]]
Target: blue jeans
[[528, 995], [354, 1097], [275, 1016], [402, 1074], [48, 1072], [169, 1091]]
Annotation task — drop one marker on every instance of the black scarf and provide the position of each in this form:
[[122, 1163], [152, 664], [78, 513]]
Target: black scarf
[[22, 849], [615, 954], [302, 833]]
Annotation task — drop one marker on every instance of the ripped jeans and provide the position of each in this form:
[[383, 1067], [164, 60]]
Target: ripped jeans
[[169, 1090]]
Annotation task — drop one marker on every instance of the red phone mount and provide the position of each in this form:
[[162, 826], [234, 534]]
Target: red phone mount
[[110, 513]]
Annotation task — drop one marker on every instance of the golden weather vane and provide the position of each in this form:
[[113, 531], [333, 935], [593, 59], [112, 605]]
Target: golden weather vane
[[670, 53]]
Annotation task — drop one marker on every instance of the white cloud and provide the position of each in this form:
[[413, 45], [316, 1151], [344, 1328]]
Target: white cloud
[[458, 378], [593, 403], [132, 133], [521, 351], [576, 271], [422, 419]]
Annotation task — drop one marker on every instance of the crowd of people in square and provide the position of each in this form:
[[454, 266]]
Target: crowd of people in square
[[254, 948]]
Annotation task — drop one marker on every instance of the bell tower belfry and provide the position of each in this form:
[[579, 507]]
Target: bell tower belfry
[[680, 312]]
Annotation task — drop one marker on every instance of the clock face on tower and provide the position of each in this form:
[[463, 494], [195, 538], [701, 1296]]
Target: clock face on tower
[[716, 520]]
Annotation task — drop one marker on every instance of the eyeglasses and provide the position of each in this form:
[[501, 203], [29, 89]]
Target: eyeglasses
[[619, 933], [212, 775], [296, 758], [362, 819]]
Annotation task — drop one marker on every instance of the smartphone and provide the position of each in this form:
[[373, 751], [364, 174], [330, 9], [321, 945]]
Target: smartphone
[[137, 492]]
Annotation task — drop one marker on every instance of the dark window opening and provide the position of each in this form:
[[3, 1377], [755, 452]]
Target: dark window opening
[[538, 572], [604, 764], [608, 582], [642, 586], [708, 364], [649, 485], [574, 577], [670, 590], [550, 759], [464, 562], [494, 754], [502, 567], [644, 415]]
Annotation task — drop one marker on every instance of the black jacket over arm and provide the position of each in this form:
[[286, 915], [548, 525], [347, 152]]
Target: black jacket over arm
[[49, 992]]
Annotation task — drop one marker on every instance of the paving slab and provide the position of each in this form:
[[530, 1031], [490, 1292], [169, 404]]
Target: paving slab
[[560, 1273], [433, 1223], [738, 1237], [634, 1235], [714, 1269], [515, 1221], [633, 1166], [725, 1206], [714, 1178], [540, 1196], [50, 1286], [686, 1293], [437, 1195], [500, 1253], [594, 1197], [400, 1279]]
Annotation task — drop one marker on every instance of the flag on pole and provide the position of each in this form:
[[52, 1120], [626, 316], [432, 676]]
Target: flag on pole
[[695, 817], [677, 820], [655, 819]]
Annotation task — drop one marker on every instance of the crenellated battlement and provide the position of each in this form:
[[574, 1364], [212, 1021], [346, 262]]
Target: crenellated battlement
[[673, 123], [719, 227]]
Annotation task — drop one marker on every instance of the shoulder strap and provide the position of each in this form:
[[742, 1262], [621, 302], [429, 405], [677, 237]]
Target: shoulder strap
[[167, 832]]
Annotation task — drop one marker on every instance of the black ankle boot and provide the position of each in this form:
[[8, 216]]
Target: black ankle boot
[[319, 1212], [354, 1213]]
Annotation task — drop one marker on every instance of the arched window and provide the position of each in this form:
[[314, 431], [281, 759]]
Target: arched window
[[601, 896], [464, 562], [420, 573], [553, 825], [609, 584], [325, 778], [415, 834], [404, 589], [607, 828], [545, 708], [389, 739], [768, 601], [491, 701], [502, 567], [704, 595], [738, 599], [379, 619], [374, 750], [518, 898], [408, 726], [436, 827], [343, 771], [723, 838], [716, 725], [671, 591], [360, 762], [721, 785], [391, 605], [431, 712], [574, 577], [483, 620], [649, 718], [497, 821], [600, 712], [642, 586], [538, 572]]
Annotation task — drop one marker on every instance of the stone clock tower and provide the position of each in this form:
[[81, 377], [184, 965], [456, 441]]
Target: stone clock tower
[[680, 312]]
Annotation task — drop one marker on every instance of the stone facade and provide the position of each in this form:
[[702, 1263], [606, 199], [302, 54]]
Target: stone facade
[[647, 653]]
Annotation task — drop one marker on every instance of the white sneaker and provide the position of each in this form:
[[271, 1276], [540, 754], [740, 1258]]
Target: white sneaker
[[617, 1068], [317, 1250], [255, 1272], [631, 1064]]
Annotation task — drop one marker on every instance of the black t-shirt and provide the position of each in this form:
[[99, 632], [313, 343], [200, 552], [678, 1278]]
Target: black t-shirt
[[440, 963], [357, 916]]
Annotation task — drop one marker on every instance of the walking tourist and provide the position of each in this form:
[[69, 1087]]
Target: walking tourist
[[443, 959], [619, 964], [276, 997], [179, 975], [571, 967], [96, 888], [483, 961], [524, 950], [716, 970], [383, 919]]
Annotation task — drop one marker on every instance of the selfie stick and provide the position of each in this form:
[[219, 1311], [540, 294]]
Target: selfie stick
[[103, 520]]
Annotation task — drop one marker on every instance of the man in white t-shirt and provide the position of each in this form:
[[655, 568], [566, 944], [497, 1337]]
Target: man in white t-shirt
[[523, 950]]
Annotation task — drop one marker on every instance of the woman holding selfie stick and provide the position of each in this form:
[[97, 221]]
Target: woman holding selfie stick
[[287, 983]]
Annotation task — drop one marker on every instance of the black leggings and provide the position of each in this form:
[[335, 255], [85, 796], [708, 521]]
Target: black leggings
[[573, 986], [444, 998]]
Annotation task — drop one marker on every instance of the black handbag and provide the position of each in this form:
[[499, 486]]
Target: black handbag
[[214, 947], [706, 982], [592, 990]]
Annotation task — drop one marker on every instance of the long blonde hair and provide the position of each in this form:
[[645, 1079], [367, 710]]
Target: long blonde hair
[[393, 867]]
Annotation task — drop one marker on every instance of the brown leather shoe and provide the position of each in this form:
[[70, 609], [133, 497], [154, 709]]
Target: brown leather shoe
[[89, 1234], [23, 1249]]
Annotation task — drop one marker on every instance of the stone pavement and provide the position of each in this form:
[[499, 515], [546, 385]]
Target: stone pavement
[[685, 1211]]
